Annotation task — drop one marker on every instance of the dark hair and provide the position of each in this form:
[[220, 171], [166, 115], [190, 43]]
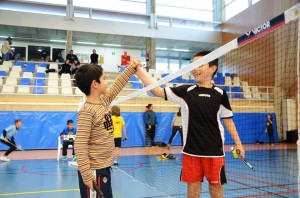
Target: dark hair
[[271, 117], [115, 110], [179, 112], [70, 122], [85, 75], [148, 106], [211, 63], [18, 120]]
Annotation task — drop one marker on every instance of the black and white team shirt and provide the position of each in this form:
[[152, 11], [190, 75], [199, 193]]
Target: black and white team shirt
[[201, 109]]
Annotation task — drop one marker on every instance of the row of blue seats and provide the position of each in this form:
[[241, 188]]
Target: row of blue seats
[[23, 65], [30, 67]]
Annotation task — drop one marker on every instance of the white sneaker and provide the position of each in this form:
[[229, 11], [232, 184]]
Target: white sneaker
[[4, 158]]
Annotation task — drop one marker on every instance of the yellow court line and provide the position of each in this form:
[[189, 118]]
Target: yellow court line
[[39, 192]]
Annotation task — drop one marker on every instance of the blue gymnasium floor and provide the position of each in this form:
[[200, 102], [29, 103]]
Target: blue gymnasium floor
[[144, 176]]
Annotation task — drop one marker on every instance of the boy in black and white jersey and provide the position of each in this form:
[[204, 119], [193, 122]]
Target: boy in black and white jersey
[[202, 107]]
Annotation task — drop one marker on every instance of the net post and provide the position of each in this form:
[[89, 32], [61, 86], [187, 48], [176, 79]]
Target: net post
[[298, 97]]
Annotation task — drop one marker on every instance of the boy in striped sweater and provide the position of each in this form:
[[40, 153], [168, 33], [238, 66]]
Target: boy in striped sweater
[[94, 143]]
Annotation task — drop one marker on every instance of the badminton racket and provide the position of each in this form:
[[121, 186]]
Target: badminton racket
[[99, 192], [17, 146], [236, 154]]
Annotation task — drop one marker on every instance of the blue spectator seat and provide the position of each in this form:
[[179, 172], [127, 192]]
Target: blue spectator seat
[[3, 73], [181, 80], [30, 67], [39, 82], [40, 75], [133, 78], [136, 85], [38, 90], [219, 81], [192, 81], [238, 95], [164, 75], [19, 64], [122, 69], [25, 81], [237, 89], [228, 74], [219, 75], [42, 65], [227, 88], [174, 80]]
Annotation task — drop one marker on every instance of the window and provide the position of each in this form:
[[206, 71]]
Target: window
[[201, 10], [174, 65], [55, 2], [162, 64], [233, 7], [127, 6], [38, 53], [18, 50], [255, 1], [185, 63]]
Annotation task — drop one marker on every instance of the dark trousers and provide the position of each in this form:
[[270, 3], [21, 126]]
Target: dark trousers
[[11, 146], [103, 181], [65, 147], [271, 136], [150, 135], [174, 131]]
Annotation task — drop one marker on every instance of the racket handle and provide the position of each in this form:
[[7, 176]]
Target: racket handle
[[248, 164], [97, 190]]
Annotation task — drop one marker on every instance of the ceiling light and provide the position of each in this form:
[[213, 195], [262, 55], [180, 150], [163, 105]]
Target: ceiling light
[[86, 43], [39, 50], [59, 41], [112, 45], [181, 50], [161, 48]]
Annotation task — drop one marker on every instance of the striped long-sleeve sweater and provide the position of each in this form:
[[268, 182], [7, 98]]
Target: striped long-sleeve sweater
[[94, 143]]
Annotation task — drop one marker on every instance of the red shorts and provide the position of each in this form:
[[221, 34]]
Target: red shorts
[[194, 169]]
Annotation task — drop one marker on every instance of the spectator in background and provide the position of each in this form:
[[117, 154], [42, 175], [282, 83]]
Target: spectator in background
[[15, 55], [270, 130], [151, 123], [69, 132], [59, 58], [94, 57], [176, 126], [44, 56], [65, 68], [71, 57], [125, 59], [5, 50], [75, 66]]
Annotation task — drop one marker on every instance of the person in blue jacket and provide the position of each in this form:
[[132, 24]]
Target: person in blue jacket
[[151, 123], [70, 130], [8, 138]]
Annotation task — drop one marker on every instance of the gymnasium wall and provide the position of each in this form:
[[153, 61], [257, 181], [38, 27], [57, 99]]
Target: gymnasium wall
[[40, 130]]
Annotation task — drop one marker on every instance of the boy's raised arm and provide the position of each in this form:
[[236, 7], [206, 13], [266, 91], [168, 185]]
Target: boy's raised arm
[[158, 92]]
